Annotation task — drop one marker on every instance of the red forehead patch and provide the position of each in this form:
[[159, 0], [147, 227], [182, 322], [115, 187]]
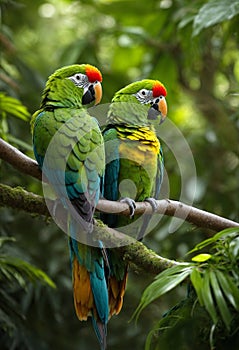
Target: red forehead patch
[[159, 90], [93, 74]]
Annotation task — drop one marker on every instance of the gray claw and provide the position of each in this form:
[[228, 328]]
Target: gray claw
[[57, 202], [153, 203], [131, 204]]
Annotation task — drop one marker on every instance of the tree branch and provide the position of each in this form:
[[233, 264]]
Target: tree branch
[[18, 198], [134, 252], [19, 160], [168, 207]]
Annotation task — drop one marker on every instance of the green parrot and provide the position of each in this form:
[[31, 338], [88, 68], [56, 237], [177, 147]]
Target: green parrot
[[68, 146], [134, 165]]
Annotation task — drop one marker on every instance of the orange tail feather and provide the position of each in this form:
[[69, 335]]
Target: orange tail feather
[[83, 297], [116, 294]]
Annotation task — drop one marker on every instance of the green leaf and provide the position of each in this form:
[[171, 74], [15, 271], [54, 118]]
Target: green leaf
[[197, 282], [221, 302], [15, 267], [211, 337], [234, 248], [213, 239], [208, 298], [3, 240], [149, 339], [201, 257], [163, 283], [229, 288], [214, 12], [13, 106]]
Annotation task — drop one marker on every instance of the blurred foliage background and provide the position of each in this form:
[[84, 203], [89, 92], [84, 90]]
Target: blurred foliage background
[[193, 48]]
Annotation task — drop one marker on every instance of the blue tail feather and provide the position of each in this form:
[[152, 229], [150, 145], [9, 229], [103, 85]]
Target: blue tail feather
[[100, 331], [93, 260], [100, 291]]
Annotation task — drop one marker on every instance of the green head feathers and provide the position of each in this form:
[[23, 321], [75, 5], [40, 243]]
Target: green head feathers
[[141, 103], [72, 86]]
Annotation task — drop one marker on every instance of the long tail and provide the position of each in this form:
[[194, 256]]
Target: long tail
[[101, 332], [89, 278]]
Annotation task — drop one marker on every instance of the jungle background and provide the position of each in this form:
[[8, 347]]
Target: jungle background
[[193, 48]]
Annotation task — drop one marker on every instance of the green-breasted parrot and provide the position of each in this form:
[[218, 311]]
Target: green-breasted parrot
[[68, 146], [134, 162]]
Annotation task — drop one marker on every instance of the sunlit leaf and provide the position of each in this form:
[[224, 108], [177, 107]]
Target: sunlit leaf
[[201, 257]]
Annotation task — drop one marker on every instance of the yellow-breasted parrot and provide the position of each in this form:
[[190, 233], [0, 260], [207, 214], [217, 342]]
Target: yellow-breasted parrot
[[134, 163], [75, 167]]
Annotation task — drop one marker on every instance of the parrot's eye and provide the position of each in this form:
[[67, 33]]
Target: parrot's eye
[[144, 95], [79, 79], [143, 92]]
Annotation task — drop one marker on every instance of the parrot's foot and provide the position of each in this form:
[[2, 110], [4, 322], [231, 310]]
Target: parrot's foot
[[131, 204], [153, 203]]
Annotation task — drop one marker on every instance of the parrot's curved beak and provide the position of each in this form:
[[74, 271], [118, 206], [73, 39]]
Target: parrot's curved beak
[[163, 108], [93, 93], [98, 92], [158, 108]]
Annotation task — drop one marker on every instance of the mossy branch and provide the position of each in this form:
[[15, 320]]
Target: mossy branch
[[135, 252], [168, 207]]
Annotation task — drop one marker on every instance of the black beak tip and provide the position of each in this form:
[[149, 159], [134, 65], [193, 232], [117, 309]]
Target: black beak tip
[[153, 113], [161, 120], [89, 96]]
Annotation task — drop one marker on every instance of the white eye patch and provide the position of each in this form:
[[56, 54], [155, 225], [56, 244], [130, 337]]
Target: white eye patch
[[144, 96], [79, 79]]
